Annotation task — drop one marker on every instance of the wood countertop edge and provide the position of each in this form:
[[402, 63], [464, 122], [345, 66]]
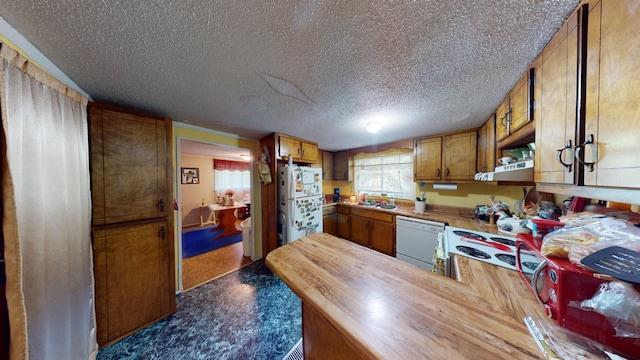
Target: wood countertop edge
[[517, 341], [348, 335]]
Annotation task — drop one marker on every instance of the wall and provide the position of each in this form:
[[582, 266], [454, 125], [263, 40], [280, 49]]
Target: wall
[[192, 195]]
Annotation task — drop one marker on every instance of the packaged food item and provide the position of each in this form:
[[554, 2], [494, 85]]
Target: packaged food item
[[575, 243]]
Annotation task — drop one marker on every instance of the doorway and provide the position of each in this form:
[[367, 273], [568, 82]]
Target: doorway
[[197, 196]]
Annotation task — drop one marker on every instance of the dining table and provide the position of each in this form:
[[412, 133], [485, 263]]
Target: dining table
[[226, 218]]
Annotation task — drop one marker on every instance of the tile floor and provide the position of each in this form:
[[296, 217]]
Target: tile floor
[[247, 314]]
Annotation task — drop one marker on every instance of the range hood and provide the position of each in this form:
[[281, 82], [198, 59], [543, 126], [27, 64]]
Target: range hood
[[517, 171]]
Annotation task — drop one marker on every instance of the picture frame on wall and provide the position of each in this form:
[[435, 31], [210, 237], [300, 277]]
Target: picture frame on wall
[[189, 175]]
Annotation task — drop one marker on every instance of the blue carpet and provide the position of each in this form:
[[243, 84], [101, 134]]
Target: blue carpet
[[199, 241]]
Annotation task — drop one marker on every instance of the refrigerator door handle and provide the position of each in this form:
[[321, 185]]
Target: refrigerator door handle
[[292, 208], [292, 186], [283, 221]]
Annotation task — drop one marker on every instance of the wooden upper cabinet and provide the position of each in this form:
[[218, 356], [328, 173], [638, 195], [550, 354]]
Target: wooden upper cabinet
[[310, 151], [515, 110], [447, 157], [427, 159], [487, 146], [556, 126], [327, 165], [612, 118], [502, 119], [128, 167], [459, 157], [343, 166], [300, 150]]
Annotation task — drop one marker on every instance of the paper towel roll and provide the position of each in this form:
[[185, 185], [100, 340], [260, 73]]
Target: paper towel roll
[[445, 186]]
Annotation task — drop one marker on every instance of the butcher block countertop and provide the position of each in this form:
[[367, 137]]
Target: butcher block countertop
[[388, 309]]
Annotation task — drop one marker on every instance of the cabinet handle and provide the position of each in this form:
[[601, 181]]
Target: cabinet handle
[[438, 173], [447, 173], [162, 232], [588, 141], [559, 156], [161, 205]]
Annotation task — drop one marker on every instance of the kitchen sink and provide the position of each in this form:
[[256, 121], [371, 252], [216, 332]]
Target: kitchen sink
[[386, 206]]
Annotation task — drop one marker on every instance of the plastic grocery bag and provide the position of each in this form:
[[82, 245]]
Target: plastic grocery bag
[[577, 242], [619, 302]]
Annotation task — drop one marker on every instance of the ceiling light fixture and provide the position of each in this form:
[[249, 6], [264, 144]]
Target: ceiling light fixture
[[373, 127]]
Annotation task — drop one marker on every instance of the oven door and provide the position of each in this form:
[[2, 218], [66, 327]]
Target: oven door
[[534, 269]]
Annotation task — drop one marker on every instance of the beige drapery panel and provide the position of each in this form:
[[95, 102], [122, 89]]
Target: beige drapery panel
[[46, 214]]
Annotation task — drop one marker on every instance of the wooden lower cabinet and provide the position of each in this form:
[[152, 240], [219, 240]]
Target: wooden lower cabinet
[[344, 222], [133, 278], [360, 230], [330, 220], [374, 229]]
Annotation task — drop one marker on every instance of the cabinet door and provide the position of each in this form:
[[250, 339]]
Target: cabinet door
[[519, 104], [128, 167], [487, 146], [288, 146], [327, 165], [460, 156], [612, 115], [309, 152], [343, 166], [383, 237], [427, 159], [502, 119], [344, 226], [557, 122], [360, 230], [132, 275], [330, 223]]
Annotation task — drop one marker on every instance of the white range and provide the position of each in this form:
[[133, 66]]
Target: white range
[[491, 248]]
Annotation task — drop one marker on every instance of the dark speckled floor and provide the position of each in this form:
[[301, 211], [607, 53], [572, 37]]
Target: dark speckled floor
[[247, 314]]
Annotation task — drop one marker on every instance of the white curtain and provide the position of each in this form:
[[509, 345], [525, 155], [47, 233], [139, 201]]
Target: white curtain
[[47, 238], [237, 181]]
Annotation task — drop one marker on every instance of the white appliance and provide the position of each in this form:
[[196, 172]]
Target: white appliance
[[416, 240], [491, 248], [517, 171], [299, 202]]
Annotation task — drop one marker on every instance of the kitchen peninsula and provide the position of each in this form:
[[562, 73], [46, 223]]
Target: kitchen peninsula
[[360, 304]]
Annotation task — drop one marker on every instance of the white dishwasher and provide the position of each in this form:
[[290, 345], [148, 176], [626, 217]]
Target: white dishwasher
[[416, 240]]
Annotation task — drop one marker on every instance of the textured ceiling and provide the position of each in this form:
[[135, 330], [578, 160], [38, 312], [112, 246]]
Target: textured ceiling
[[213, 151], [316, 69]]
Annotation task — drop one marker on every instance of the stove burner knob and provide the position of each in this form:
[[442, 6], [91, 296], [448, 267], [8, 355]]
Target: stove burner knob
[[553, 276], [548, 311]]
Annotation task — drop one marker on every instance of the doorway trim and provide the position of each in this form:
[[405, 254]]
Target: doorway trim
[[178, 192]]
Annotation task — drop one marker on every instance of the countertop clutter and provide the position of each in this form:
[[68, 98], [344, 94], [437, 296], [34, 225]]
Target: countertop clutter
[[360, 304], [452, 216]]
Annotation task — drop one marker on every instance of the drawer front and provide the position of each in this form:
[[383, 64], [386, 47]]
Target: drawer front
[[328, 210], [373, 214], [343, 209]]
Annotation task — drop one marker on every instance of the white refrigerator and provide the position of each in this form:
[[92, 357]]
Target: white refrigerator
[[299, 202]]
